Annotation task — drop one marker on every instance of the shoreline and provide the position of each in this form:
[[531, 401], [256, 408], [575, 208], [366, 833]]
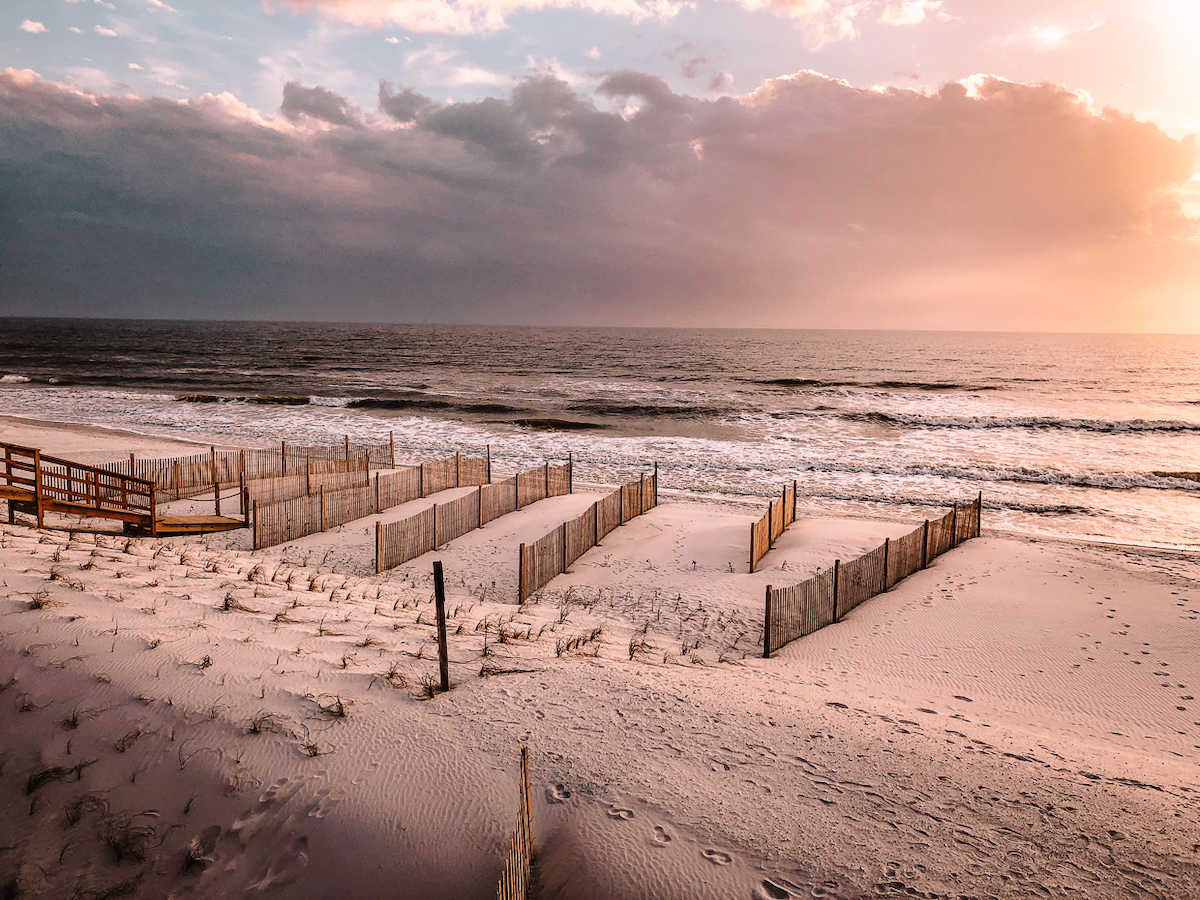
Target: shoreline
[[1013, 708]]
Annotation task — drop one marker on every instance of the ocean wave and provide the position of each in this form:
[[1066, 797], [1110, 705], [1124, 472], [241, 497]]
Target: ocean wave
[[646, 410], [932, 386], [1036, 423], [14, 379]]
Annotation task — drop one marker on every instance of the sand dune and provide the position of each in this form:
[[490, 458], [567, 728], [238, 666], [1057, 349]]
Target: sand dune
[[187, 718]]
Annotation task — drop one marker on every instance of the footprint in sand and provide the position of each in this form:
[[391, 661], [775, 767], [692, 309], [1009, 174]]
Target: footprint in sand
[[558, 793], [617, 812], [963, 699], [661, 837], [717, 858]]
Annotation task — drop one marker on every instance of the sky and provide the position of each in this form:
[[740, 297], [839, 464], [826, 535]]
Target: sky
[[933, 164]]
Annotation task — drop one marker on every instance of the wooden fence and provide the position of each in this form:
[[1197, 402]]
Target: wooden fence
[[189, 476], [398, 542], [514, 878], [553, 553], [324, 507], [780, 514], [801, 609]]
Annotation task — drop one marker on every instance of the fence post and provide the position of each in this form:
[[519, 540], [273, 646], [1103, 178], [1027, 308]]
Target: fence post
[[521, 577], [656, 482], [517, 490], [752, 549], [392, 449], [347, 448], [439, 595], [570, 473], [954, 525], [979, 514], [246, 506], [457, 469], [256, 546], [770, 524], [216, 497], [793, 499], [546, 480], [837, 590], [435, 534], [479, 507], [283, 457], [887, 553], [37, 485], [563, 529], [322, 507], [377, 509], [378, 547], [767, 627], [307, 474], [641, 493], [489, 463], [925, 547]]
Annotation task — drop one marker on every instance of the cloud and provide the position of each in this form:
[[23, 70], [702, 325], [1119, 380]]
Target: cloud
[[1046, 35], [106, 32], [911, 12], [317, 103], [807, 202], [33, 27], [473, 16]]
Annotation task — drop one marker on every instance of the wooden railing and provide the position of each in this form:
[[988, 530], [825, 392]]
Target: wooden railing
[[780, 514], [50, 484]]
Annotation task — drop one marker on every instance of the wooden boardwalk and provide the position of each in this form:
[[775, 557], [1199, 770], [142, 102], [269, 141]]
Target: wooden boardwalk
[[36, 484]]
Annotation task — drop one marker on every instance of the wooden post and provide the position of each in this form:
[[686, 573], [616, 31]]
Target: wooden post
[[216, 498], [596, 523], [256, 546], [153, 514], [242, 468], [887, 554], [521, 577], [767, 627], [392, 449], [641, 493], [308, 474], [954, 525], [439, 595], [95, 488], [517, 490], [770, 524], [925, 547], [435, 534], [347, 448], [378, 547], [752, 560], [570, 473], [479, 507], [563, 529], [322, 507], [979, 514], [37, 484], [526, 808], [489, 463], [9, 480], [656, 482], [283, 457], [457, 469], [837, 590], [246, 507], [793, 499], [545, 480]]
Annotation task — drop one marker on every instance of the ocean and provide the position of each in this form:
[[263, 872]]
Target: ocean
[[1064, 435]]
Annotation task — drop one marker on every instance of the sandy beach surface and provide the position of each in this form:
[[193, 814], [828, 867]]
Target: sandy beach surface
[[186, 717]]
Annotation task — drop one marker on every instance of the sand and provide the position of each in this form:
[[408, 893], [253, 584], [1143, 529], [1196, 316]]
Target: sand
[[188, 718]]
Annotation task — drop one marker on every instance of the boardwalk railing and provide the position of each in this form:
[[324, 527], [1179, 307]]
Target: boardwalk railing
[[801, 609], [552, 554], [287, 519], [398, 542], [48, 484], [780, 514], [514, 879]]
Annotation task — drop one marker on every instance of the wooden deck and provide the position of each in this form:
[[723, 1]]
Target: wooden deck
[[36, 484]]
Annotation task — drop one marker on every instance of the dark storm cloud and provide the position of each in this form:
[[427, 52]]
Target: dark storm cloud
[[317, 102], [807, 202]]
